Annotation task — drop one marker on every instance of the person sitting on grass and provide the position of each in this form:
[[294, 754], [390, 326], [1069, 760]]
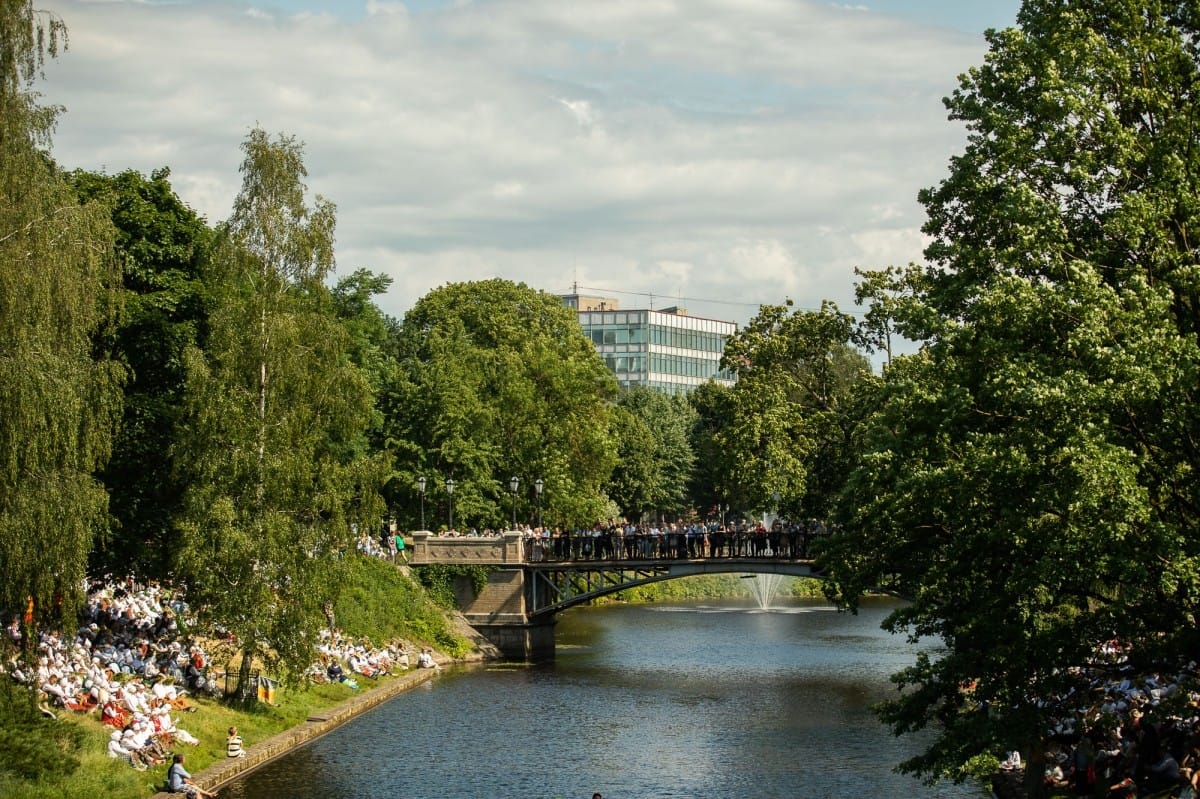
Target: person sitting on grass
[[117, 750], [180, 781], [233, 744], [336, 675]]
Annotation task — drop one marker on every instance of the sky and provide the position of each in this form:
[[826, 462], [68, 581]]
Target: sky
[[712, 154]]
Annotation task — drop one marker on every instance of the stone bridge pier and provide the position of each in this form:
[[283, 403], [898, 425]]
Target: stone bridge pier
[[500, 613]]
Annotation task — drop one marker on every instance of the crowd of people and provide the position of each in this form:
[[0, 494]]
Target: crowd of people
[[1127, 736], [339, 658], [620, 540], [130, 664], [127, 663]]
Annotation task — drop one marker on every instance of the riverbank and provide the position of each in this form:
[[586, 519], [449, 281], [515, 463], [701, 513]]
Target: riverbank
[[314, 727]]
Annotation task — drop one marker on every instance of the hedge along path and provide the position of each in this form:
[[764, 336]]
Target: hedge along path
[[317, 725]]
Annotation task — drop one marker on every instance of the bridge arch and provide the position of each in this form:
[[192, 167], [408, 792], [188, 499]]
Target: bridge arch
[[554, 587]]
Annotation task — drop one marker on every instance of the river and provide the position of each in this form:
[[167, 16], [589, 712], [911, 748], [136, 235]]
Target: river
[[668, 700]]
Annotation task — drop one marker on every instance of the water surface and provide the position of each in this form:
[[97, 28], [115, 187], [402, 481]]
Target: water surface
[[672, 700]]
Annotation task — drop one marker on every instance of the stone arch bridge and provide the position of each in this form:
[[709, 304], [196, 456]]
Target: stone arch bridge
[[517, 609]]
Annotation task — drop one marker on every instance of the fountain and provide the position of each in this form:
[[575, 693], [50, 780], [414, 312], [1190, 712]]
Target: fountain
[[764, 587]]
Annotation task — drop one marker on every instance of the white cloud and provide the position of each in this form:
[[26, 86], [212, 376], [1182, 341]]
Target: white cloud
[[733, 152]]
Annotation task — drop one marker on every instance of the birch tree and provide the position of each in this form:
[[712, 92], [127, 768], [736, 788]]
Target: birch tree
[[276, 415]]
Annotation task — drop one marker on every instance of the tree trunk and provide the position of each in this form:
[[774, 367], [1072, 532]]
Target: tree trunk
[[245, 694]]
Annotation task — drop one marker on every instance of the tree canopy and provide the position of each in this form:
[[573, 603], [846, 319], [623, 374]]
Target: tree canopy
[[655, 459], [785, 442], [1029, 478], [163, 248], [497, 380]]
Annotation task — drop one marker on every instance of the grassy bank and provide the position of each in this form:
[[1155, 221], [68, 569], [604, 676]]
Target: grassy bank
[[377, 603]]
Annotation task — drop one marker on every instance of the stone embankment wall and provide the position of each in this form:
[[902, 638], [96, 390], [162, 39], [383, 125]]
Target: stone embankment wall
[[317, 725]]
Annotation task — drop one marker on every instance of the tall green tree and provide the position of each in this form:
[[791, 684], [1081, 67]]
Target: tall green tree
[[497, 380], [793, 414], [58, 288], [163, 248], [654, 453], [275, 415], [1029, 478]]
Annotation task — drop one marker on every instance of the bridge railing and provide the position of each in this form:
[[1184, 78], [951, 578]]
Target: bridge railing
[[493, 550], [514, 547]]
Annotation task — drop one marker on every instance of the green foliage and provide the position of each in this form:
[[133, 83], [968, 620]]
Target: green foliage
[[1029, 477], [654, 453], [714, 586], [439, 578], [376, 601], [32, 746], [788, 436], [163, 247], [498, 380], [58, 289]]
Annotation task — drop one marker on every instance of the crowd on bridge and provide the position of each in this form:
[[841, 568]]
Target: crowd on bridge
[[622, 540], [618, 539]]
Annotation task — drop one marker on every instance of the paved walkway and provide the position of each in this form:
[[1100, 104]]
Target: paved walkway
[[317, 725]]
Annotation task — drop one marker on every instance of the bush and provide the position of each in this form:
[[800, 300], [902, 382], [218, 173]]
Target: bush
[[378, 602]]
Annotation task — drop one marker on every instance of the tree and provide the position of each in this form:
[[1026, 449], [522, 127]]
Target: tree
[[1029, 478], [886, 293], [715, 470], [275, 416], [654, 453], [792, 409], [58, 288], [498, 380], [163, 247]]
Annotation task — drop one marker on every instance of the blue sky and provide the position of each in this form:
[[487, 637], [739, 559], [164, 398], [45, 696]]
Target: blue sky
[[718, 154]]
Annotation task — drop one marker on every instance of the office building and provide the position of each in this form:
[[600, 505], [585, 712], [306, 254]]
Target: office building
[[665, 350]]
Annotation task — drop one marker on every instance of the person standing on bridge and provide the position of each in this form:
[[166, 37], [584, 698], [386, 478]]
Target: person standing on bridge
[[399, 536]]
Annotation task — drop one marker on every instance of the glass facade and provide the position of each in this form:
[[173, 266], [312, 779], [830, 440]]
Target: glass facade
[[668, 352]]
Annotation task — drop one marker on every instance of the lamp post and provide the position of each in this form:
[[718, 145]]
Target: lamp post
[[421, 494], [538, 485], [514, 483], [450, 497]]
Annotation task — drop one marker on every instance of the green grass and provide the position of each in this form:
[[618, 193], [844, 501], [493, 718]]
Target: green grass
[[99, 775], [379, 603]]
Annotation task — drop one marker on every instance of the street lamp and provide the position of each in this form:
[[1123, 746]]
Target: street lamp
[[514, 483], [421, 493], [450, 496], [538, 485]]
